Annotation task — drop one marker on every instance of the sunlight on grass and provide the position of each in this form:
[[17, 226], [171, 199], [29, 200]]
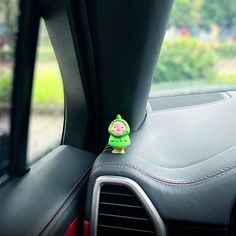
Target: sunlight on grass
[[48, 84], [226, 79]]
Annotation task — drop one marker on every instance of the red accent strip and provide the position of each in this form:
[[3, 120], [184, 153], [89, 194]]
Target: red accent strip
[[86, 228], [73, 228]]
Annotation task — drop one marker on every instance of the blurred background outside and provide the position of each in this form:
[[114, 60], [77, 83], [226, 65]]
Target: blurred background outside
[[8, 12], [198, 55], [199, 50], [47, 106]]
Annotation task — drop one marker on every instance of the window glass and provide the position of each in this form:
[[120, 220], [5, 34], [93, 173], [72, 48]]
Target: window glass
[[199, 50], [46, 118], [8, 22]]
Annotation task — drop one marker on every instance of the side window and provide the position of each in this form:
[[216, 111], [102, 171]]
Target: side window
[[47, 105], [199, 50], [8, 25]]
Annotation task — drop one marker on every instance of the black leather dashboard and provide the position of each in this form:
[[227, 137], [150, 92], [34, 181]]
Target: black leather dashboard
[[185, 161]]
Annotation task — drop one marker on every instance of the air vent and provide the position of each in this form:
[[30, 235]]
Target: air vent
[[122, 213]]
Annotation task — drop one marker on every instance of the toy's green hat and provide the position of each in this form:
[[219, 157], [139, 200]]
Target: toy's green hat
[[119, 118]]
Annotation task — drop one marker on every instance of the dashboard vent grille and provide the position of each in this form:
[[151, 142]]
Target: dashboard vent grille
[[122, 213]]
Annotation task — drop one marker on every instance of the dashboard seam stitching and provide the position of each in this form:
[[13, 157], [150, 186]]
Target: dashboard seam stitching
[[169, 181]]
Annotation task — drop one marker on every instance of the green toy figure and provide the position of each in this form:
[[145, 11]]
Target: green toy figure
[[119, 135]]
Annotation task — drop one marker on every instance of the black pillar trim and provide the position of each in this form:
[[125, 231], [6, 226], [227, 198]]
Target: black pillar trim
[[28, 26], [78, 19]]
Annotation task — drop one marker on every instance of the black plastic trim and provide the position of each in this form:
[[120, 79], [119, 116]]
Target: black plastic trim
[[22, 84]]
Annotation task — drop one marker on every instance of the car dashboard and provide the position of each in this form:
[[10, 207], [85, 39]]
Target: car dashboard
[[180, 168]]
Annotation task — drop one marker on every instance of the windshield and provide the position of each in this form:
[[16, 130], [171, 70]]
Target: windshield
[[199, 50]]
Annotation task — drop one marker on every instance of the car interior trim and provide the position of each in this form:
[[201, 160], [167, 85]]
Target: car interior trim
[[187, 182], [123, 181]]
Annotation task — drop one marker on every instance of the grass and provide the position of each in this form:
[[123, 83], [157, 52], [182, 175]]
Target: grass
[[47, 88], [226, 79], [47, 85]]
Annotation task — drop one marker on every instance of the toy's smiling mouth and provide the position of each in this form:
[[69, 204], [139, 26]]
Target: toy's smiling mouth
[[118, 132]]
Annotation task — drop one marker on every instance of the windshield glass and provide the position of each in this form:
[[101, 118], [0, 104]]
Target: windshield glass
[[199, 50]]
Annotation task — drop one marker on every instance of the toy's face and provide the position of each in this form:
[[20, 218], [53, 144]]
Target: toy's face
[[118, 128]]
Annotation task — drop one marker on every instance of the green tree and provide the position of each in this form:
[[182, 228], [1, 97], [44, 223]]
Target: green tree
[[186, 13], [189, 13], [185, 59], [222, 13]]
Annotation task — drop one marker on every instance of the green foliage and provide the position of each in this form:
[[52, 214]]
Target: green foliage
[[47, 85], [226, 50], [203, 13], [5, 87], [186, 13], [184, 59], [222, 13]]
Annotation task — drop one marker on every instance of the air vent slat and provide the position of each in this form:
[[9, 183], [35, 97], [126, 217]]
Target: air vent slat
[[125, 217], [121, 212], [121, 194], [116, 189], [120, 205], [126, 222], [128, 229], [118, 232], [124, 211], [120, 199]]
